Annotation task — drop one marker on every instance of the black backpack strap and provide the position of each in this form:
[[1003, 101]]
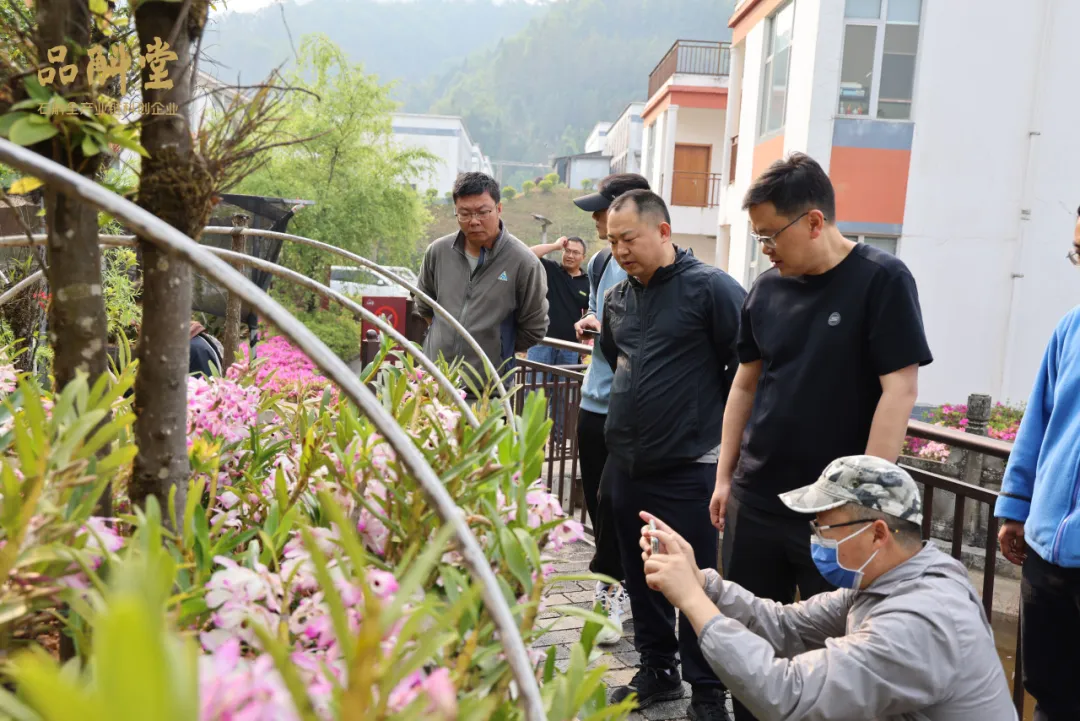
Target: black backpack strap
[[604, 257]]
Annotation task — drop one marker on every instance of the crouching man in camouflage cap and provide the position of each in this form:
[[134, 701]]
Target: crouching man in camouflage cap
[[904, 638]]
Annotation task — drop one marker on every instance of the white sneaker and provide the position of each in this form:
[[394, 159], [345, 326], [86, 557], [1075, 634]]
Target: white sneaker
[[611, 600]]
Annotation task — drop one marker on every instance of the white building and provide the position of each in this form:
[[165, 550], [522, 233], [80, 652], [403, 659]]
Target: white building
[[573, 170], [445, 137], [624, 138], [597, 138], [970, 178], [684, 134]]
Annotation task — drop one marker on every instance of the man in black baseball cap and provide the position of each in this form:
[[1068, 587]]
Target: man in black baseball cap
[[607, 191]]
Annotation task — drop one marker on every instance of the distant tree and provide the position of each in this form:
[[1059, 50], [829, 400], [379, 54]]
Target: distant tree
[[587, 184], [527, 186], [546, 185], [553, 177], [432, 194], [509, 192], [449, 195]]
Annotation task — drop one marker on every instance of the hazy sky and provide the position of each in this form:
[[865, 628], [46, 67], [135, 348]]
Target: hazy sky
[[247, 6]]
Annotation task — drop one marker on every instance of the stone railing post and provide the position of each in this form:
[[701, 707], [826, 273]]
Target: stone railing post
[[232, 307], [978, 418]]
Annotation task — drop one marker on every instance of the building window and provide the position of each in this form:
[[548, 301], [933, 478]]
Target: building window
[[877, 76], [776, 70], [650, 150], [883, 242]]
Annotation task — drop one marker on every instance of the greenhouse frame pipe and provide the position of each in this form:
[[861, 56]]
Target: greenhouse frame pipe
[[21, 285], [153, 229], [21, 241], [389, 275]]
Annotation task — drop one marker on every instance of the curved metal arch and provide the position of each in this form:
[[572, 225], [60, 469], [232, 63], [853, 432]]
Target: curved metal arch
[[21, 241], [389, 275], [160, 233], [21, 285]]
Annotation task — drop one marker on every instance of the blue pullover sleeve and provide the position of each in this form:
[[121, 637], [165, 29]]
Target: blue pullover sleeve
[[1018, 485]]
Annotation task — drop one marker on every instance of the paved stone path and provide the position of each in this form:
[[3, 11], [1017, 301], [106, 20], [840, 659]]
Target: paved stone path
[[620, 658]]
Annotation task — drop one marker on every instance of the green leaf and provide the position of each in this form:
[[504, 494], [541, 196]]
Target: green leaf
[[89, 147], [6, 121], [36, 90], [99, 7], [25, 132], [514, 555], [14, 709]]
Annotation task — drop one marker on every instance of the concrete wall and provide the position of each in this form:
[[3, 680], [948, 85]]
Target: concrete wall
[[704, 246], [993, 191]]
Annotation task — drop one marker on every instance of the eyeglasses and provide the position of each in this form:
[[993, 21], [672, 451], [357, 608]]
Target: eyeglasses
[[1074, 257], [816, 529], [465, 216], [769, 241]]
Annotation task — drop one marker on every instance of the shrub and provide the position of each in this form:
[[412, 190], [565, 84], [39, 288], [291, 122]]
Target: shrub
[[509, 192], [527, 187], [337, 330], [546, 185], [553, 177], [307, 576], [587, 184]]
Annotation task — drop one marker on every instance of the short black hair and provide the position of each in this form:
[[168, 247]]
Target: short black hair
[[474, 183], [794, 186], [645, 201], [575, 239], [616, 184]]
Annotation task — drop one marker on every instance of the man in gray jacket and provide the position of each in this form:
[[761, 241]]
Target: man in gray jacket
[[487, 279], [904, 638]]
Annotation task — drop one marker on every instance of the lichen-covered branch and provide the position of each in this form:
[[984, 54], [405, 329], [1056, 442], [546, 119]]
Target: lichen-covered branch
[[175, 185]]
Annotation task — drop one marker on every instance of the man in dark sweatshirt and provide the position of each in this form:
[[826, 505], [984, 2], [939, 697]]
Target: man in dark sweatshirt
[[669, 334], [487, 279]]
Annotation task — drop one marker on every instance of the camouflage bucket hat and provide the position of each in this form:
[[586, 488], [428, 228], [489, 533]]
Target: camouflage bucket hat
[[866, 481]]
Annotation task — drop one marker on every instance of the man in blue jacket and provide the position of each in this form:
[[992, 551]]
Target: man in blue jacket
[[1040, 507]]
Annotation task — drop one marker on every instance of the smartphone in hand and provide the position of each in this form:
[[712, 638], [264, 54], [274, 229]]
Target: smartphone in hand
[[654, 539]]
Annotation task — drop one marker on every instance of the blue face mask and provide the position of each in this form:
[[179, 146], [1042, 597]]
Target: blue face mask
[[825, 552]]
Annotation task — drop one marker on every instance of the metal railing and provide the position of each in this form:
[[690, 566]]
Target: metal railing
[[695, 190], [691, 57]]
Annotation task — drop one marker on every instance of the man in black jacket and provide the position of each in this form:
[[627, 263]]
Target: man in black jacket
[[669, 333]]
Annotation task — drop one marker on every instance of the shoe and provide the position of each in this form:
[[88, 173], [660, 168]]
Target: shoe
[[651, 685], [709, 705], [611, 600]]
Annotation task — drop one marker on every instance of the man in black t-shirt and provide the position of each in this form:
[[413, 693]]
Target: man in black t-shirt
[[568, 299], [567, 294], [830, 344]]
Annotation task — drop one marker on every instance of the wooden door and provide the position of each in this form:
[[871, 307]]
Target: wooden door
[[690, 180]]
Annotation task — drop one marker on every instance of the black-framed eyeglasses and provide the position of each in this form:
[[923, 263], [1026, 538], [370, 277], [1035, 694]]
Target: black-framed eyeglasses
[[1074, 257], [816, 529], [769, 241], [465, 216]]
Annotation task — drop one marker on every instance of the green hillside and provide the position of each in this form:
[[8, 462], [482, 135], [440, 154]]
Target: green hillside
[[539, 93], [556, 206]]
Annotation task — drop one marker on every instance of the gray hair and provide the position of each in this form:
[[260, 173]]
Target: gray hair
[[907, 533]]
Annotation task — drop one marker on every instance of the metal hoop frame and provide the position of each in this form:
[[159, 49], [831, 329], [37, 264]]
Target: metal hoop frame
[[21, 241], [389, 275], [160, 233]]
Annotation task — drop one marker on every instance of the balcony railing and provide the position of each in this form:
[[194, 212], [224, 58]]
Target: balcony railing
[[691, 57], [696, 190]]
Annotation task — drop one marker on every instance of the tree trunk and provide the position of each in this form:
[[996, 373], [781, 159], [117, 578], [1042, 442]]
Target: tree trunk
[[77, 321], [174, 185]]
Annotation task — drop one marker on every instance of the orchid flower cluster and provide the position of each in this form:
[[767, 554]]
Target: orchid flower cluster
[[266, 562]]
